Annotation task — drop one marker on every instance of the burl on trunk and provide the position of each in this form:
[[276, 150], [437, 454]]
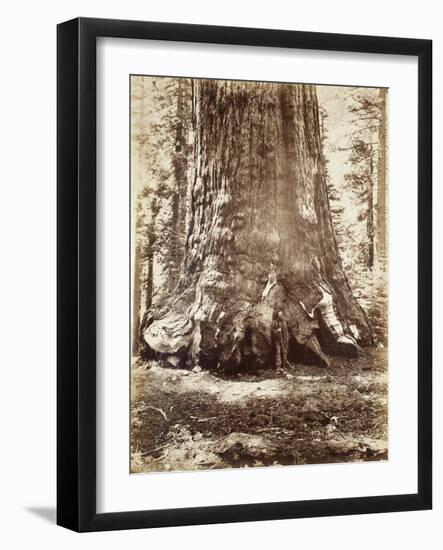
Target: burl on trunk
[[259, 237]]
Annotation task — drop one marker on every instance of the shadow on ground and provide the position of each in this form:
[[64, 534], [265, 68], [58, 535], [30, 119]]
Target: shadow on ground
[[47, 513]]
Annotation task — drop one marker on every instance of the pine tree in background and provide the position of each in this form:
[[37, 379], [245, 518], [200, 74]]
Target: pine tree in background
[[170, 156], [161, 120], [362, 243], [363, 161]]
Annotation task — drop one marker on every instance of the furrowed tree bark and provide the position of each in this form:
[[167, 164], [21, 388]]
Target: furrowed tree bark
[[260, 236]]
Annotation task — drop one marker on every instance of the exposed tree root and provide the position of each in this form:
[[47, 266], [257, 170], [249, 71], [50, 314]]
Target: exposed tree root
[[206, 336]]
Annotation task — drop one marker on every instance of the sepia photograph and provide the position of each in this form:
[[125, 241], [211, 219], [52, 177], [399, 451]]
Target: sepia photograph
[[259, 269]]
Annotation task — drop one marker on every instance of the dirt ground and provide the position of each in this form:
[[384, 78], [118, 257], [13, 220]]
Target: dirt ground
[[195, 420]]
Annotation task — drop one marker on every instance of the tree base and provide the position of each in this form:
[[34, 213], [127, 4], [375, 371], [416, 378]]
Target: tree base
[[240, 339]]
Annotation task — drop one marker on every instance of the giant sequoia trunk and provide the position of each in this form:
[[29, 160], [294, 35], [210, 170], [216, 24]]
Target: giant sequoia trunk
[[260, 237]]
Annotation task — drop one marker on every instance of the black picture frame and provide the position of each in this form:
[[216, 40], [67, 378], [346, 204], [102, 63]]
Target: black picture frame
[[76, 279]]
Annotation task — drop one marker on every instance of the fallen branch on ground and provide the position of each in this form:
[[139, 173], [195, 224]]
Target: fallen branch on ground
[[158, 410]]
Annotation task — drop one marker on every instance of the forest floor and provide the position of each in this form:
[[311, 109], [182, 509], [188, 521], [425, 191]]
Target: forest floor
[[194, 420]]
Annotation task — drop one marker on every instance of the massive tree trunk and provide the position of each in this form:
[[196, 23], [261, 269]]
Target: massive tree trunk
[[260, 236]]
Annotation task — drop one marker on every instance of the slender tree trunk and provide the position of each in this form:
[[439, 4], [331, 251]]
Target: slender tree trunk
[[136, 298], [136, 132], [180, 181], [381, 187], [260, 236], [370, 215], [150, 275], [150, 253]]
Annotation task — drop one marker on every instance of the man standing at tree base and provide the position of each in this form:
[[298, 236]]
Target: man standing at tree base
[[279, 341]]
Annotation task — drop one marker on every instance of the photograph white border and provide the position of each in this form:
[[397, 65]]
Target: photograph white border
[[117, 489]]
